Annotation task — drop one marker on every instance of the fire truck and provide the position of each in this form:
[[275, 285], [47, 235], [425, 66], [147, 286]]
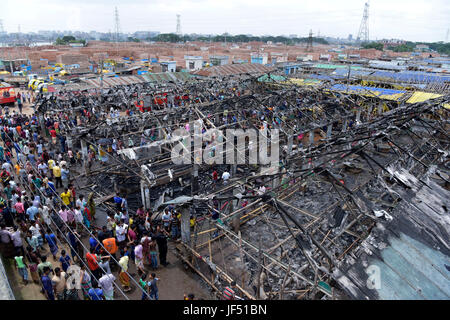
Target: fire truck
[[7, 94]]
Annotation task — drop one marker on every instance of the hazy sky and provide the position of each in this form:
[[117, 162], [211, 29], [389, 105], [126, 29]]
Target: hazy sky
[[416, 20]]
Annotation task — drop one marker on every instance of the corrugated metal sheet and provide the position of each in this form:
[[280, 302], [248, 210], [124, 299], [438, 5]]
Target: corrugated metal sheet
[[411, 76], [407, 257], [334, 66], [388, 94], [272, 78], [115, 81], [304, 82], [420, 96], [167, 76], [231, 69]]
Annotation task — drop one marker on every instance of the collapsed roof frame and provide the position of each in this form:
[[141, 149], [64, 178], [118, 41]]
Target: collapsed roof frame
[[334, 149]]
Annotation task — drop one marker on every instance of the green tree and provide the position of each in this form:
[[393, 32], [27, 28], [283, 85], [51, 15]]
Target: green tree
[[67, 39], [373, 45]]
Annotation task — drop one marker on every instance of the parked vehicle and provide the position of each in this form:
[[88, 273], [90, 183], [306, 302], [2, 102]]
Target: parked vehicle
[[7, 94]]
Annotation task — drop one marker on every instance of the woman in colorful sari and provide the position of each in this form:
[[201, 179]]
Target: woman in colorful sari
[[33, 258], [87, 218], [85, 282], [123, 276], [91, 205]]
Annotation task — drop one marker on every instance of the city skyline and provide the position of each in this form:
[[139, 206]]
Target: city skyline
[[408, 20]]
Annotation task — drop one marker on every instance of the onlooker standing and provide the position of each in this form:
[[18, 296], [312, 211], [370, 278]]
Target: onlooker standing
[[59, 283], [19, 102], [153, 287], [47, 284], [17, 241], [106, 282], [123, 275], [22, 268]]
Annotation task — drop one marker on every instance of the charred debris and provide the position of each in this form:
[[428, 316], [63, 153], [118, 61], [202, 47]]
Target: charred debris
[[356, 174]]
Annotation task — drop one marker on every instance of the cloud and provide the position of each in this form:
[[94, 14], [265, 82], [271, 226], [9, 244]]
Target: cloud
[[407, 19]]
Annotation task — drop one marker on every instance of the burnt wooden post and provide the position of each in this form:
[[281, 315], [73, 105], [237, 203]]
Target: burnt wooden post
[[185, 226]]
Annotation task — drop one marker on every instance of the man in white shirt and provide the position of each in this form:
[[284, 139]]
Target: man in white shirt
[[166, 216], [106, 283], [45, 214], [43, 167], [80, 202], [17, 241], [121, 232], [7, 166], [78, 216], [225, 177]]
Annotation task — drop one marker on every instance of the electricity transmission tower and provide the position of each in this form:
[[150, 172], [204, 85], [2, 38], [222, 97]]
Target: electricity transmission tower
[[116, 25], [178, 25], [309, 43], [116, 30], [363, 33]]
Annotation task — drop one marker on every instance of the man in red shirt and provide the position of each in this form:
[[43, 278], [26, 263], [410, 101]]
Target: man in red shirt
[[92, 261], [215, 176], [53, 134]]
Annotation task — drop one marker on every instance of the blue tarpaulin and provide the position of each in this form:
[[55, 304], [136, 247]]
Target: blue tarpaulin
[[362, 89], [411, 76]]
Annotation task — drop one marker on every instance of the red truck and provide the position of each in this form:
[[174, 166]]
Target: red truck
[[7, 94]]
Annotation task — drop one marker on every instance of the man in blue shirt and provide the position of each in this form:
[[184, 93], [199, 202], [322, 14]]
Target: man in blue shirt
[[47, 284], [96, 294], [118, 202], [73, 244], [153, 287], [51, 240], [65, 177], [95, 246], [49, 187], [65, 260], [32, 212]]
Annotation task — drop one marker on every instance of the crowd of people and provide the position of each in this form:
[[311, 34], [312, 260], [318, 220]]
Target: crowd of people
[[44, 216]]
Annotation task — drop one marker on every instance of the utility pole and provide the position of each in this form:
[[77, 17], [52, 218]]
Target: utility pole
[[101, 85], [101, 77], [309, 44], [348, 76], [10, 63]]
